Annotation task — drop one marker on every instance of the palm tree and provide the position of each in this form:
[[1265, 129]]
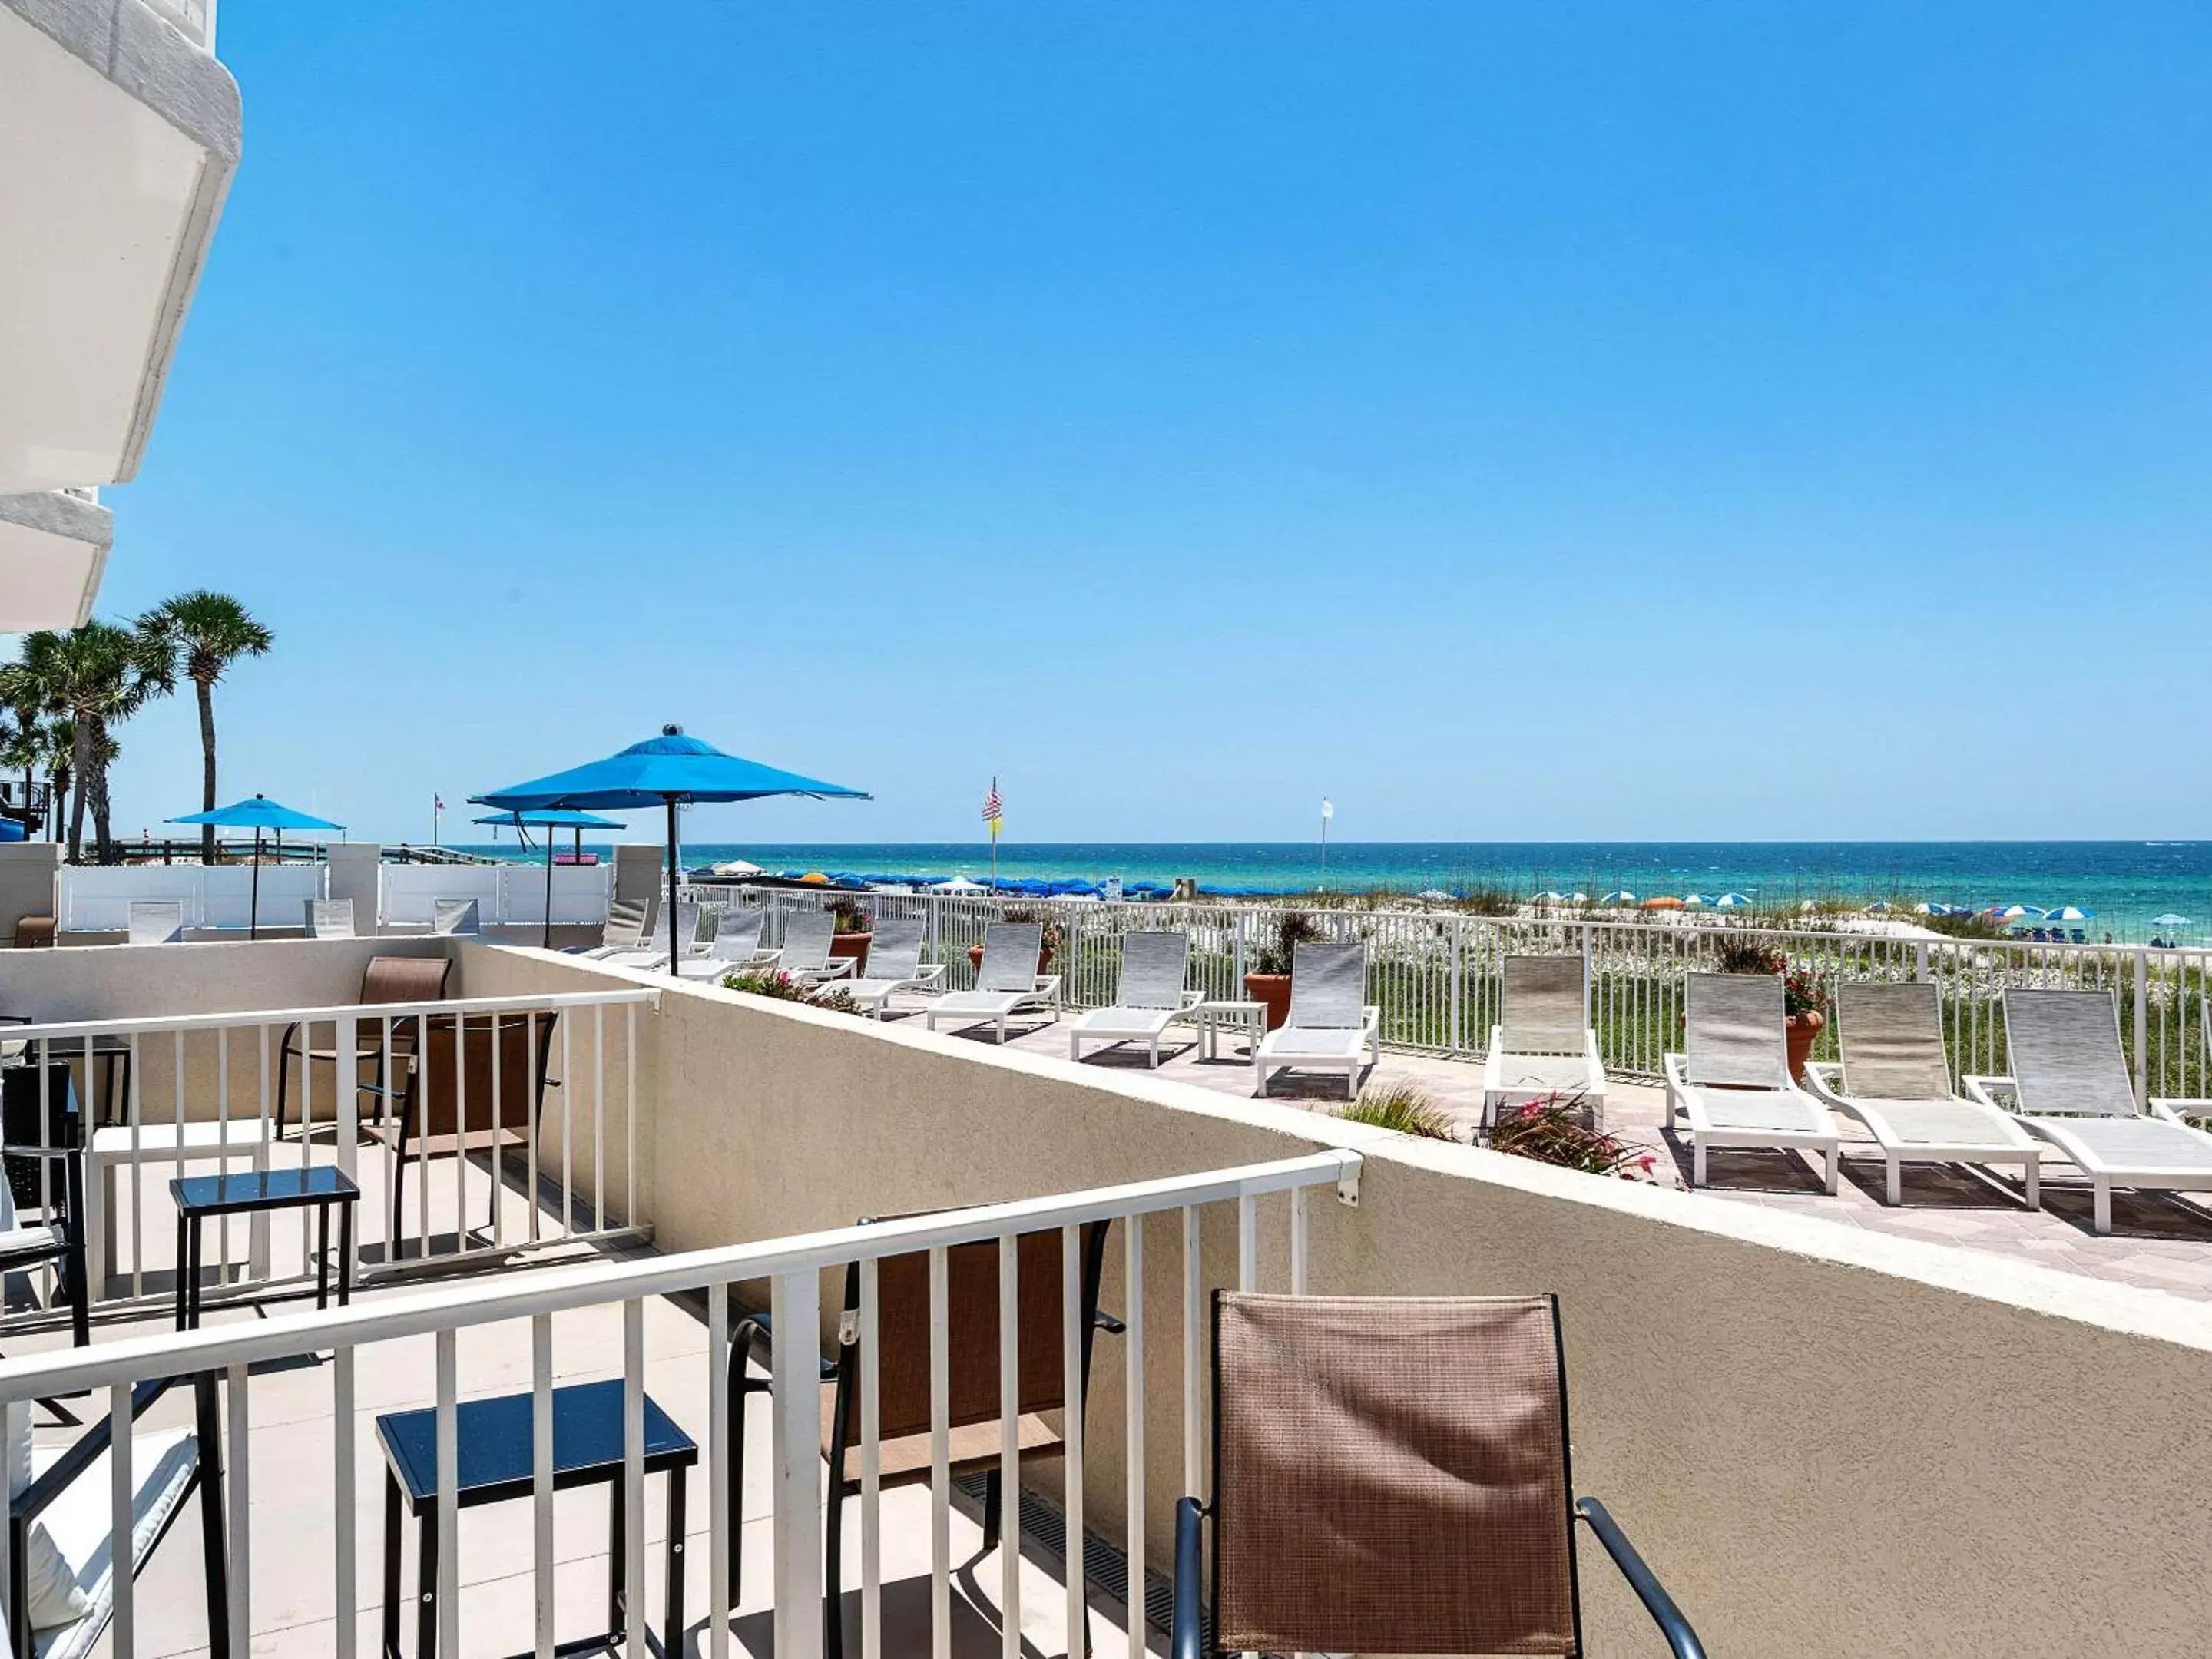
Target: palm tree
[[23, 735], [98, 676], [209, 632]]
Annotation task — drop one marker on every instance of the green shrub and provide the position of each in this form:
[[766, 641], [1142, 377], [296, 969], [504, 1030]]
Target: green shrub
[[1292, 929], [1403, 1106]]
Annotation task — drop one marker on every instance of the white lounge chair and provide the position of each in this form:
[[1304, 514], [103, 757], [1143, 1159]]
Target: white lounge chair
[[806, 942], [157, 921], [1330, 1027], [2069, 1085], [458, 917], [735, 949], [1150, 997], [622, 932], [328, 919], [894, 965], [1542, 1044], [650, 954], [1895, 1077], [1007, 982], [1732, 1080]]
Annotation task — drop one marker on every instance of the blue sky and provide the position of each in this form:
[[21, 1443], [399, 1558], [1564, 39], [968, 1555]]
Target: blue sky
[[1516, 421]]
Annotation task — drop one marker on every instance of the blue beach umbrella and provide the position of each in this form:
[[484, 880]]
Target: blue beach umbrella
[[259, 815], [549, 819], [1730, 901], [1695, 901], [2169, 920], [2069, 913], [666, 771], [1619, 895]]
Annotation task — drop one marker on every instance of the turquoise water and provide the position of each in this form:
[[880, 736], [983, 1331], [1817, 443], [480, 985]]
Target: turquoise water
[[2123, 883]]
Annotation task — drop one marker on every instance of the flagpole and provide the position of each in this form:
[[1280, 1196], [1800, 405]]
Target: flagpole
[[1325, 816], [994, 835]]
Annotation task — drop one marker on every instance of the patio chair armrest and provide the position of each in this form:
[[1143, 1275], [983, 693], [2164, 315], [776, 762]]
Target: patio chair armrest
[[1190, 1000], [1370, 1017], [755, 1335], [1819, 1085], [1189, 1637], [1983, 1088], [929, 978], [1103, 1321], [2180, 1108], [1047, 986], [17, 1019], [1681, 1639]]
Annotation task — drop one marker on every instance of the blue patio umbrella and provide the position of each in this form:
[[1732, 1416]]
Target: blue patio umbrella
[[2069, 913], [259, 815], [550, 819], [666, 771]]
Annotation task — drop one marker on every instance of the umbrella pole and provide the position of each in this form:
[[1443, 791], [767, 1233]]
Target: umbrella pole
[[548, 887], [673, 966], [253, 904]]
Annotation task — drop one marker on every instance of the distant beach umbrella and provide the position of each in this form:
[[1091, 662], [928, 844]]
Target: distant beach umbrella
[[815, 879], [2014, 912], [2069, 913], [1619, 895], [2169, 920], [1695, 901], [671, 771], [1546, 896], [1434, 895], [1578, 898], [258, 815], [961, 885], [1663, 904], [1880, 907], [1730, 901]]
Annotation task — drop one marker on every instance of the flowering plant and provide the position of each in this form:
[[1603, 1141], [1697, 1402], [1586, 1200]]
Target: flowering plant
[[1551, 1131], [1803, 991]]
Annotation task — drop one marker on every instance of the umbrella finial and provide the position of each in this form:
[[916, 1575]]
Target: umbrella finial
[[671, 730]]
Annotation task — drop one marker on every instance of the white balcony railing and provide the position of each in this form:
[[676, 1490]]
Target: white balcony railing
[[195, 20], [253, 1355], [548, 1083]]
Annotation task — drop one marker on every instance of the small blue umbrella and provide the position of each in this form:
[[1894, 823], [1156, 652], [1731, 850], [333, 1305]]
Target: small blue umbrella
[[1619, 895], [550, 819], [259, 815], [2069, 913], [2169, 920], [666, 771], [1730, 901]]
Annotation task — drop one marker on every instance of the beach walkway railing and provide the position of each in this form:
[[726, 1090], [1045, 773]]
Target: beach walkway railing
[[1438, 974]]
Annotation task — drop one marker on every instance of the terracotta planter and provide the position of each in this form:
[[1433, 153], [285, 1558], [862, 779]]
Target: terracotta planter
[[1044, 959], [1804, 1030], [1275, 990], [854, 945]]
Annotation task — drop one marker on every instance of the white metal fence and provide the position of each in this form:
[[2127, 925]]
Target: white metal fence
[[494, 1124], [1438, 975], [792, 1267]]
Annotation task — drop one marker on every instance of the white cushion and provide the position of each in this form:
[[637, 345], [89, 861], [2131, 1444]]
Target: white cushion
[[54, 1597], [161, 1465]]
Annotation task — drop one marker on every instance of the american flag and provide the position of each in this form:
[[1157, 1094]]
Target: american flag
[[439, 802], [993, 811]]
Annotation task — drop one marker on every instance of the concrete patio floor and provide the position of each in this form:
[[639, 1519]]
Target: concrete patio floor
[[2160, 1241]]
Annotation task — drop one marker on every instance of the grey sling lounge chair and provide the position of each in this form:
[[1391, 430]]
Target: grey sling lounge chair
[[1732, 1080], [1006, 982], [1542, 1044], [1895, 1077], [1150, 996], [462, 918], [1330, 1027], [894, 965], [2071, 1088], [807, 958], [157, 921], [328, 919], [625, 931], [735, 949]]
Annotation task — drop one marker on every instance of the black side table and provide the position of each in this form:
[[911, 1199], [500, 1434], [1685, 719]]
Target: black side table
[[320, 1185], [493, 1461]]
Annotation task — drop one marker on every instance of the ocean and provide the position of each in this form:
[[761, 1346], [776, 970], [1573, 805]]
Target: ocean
[[2123, 885]]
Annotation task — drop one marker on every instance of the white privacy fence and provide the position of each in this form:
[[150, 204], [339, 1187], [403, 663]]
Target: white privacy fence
[[511, 894], [1438, 975], [263, 1354], [471, 1125], [97, 898]]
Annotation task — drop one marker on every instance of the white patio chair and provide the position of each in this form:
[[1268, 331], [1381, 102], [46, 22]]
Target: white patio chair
[[1732, 1080], [328, 919], [2069, 1085], [894, 965], [734, 949], [623, 930], [1006, 982], [460, 918], [1150, 997], [1330, 1027], [807, 944], [157, 921], [651, 952], [1895, 1077], [1542, 1044]]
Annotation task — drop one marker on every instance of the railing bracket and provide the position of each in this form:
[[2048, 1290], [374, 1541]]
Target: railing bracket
[[1347, 1180]]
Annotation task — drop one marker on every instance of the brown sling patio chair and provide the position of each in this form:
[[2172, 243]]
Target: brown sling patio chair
[[383, 979], [902, 1379], [1390, 1475], [443, 1109]]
